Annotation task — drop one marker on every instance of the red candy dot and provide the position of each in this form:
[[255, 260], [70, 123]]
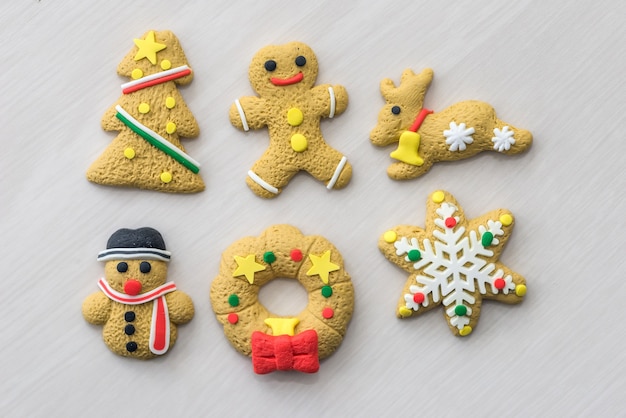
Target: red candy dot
[[296, 255], [233, 318], [450, 222], [499, 283], [418, 297], [328, 313]]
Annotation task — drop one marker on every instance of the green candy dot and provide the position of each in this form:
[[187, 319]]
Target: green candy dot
[[327, 291], [233, 300], [460, 310], [487, 239], [414, 255], [269, 257]]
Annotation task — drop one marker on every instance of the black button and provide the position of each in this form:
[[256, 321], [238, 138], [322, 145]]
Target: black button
[[129, 316], [129, 329], [270, 65], [131, 346]]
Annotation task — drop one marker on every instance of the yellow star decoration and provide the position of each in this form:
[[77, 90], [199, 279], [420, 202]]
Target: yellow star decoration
[[282, 326], [148, 48], [247, 266], [321, 266]]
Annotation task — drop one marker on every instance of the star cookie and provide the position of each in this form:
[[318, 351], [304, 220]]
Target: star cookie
[[453, 262]]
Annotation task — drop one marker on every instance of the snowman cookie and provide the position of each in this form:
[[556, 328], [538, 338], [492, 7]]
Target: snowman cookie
[[291, 106], [138, 308]]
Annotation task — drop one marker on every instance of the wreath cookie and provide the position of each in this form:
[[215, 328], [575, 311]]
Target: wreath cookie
[[138, 308], [291, 106], [453, 262], [274, 342], [425, 137]]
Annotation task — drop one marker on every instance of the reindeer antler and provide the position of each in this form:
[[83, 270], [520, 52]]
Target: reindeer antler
[[412, 88]]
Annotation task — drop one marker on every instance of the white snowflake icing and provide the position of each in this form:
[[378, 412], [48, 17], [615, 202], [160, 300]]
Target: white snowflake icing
[[453, 266], [503, 139], [458, 136]]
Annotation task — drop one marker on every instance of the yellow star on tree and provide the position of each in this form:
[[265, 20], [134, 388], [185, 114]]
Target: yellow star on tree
[[321, 266], [247, 266], [148, 48]]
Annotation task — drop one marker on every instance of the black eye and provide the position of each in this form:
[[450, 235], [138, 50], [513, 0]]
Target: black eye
[[145, 267], [270, 65], [300, 61], [122, 267], [395, 110]]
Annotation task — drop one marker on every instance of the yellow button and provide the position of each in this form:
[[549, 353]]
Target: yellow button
[[166, 64], [295, 116], [390, 236], [170, 128], [136, 74], [143, 107], [298, 142], [166, 177], [506, 219], [129, 153], [170, 102], [467, 330], [438, 196]]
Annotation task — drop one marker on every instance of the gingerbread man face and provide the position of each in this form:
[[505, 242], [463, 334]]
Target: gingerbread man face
[[133, 277], [290, 105], [288, 67]]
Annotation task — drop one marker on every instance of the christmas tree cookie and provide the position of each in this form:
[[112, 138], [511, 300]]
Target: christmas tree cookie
[[151, 117], [453, 262]]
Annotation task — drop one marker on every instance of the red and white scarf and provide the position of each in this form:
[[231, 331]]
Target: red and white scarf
[[160, 324]]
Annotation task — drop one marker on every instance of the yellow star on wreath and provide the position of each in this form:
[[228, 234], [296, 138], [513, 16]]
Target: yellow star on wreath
[[148, 48], [247, 266], [321, 266]]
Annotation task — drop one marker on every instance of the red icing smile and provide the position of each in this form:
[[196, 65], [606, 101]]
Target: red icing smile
[[287, 81]]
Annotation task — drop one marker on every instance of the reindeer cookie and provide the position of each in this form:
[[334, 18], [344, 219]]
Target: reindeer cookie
[[291, 106], [425, 137], [138, 308]]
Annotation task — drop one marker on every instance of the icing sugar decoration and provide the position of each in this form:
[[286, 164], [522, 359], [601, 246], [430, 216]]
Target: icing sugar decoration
[[453, 265], [458, 136], [503, 139]]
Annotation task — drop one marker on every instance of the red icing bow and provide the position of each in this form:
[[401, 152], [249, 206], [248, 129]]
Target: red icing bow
[[284, 352]]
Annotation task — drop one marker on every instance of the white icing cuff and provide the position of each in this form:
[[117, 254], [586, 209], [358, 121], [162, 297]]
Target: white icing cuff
[[338, 170], [258, 180], [333, 102], [242, 115]]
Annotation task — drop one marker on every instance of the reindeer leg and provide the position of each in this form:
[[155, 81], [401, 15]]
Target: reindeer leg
[[404, 171]]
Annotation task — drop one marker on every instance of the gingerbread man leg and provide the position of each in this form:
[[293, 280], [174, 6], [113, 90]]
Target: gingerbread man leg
[[269, 175], [334, 170]]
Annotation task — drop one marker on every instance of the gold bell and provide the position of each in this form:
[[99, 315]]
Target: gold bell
[[407, 149]]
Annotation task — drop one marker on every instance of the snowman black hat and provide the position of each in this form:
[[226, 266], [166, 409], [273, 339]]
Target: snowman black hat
[[135, 244]]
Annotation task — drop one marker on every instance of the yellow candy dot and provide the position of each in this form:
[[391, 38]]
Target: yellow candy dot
[[129, 153], [467, 330], [405, 312], [438, 196], [295, 116], [520, 290], [390, 236], [298, 142], [166, 177], [170, 102], [166, 64], [136, 74], [170, 128], [143, 107], [506, 219]]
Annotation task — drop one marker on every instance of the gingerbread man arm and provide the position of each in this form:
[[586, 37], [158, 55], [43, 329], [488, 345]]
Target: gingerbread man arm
[[329, 100], [180, 307], [97, 308], [248, 113]]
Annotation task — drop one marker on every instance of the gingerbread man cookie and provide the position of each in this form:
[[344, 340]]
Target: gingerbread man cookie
[[425, 137], [453, 262], [291, 106], [138, 308]]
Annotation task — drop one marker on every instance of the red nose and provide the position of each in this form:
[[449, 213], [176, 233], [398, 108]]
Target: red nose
[[132, 287]]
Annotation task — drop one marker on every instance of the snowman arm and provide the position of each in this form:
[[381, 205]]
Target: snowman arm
[[180, 307], [97, 308]]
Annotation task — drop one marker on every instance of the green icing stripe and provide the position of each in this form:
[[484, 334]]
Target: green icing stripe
[[157, 141]]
